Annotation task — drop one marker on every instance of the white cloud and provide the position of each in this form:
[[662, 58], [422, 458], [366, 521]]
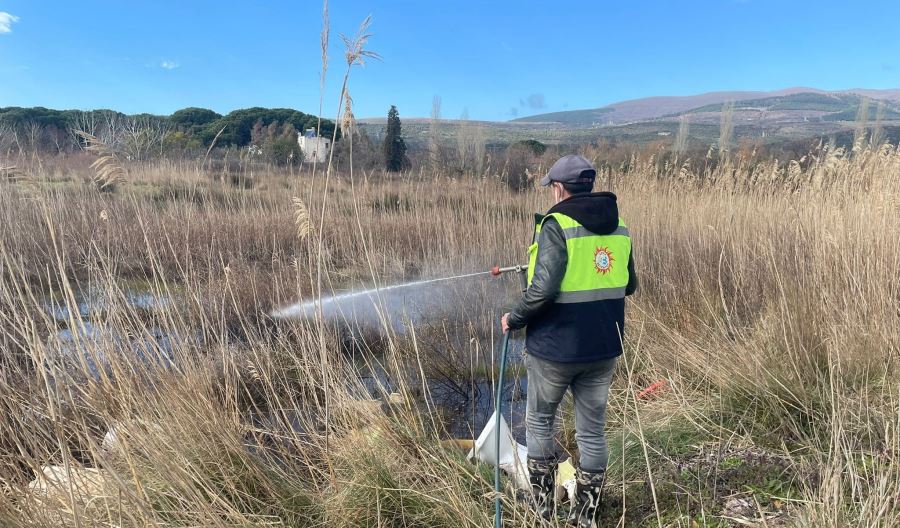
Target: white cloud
[[6, 22], [169, 65]]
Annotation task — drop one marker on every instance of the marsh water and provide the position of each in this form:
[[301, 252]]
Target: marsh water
[[464, 406], [78, 333]]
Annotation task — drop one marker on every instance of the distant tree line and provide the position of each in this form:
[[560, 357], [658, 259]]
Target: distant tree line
[[143, 136]]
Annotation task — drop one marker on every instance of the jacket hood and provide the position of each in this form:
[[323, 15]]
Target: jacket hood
[[597, 211]]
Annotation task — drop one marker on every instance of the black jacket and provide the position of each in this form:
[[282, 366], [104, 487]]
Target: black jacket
[[599, 213]]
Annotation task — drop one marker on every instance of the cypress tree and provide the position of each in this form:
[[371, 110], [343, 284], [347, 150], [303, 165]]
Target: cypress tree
[[394, 148]]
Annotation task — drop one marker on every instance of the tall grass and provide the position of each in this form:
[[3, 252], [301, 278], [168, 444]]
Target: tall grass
[[768, 301]]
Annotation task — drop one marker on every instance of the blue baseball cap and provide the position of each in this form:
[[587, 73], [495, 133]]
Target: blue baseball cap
[[570, 169]]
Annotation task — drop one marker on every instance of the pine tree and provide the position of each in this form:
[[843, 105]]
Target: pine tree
[[394, 148]]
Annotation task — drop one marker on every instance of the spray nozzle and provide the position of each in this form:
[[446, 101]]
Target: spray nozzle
[[518, 268]]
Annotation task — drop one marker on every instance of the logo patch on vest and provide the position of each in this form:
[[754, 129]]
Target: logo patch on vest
[[603, 260]]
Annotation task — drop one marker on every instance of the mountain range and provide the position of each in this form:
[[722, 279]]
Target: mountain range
[[784, 116], [648, 108]]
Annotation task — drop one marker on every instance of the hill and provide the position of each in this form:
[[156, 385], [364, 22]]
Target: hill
[[649, 108]]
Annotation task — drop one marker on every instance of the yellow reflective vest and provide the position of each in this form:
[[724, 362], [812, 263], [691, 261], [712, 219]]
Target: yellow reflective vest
[[586, 321]]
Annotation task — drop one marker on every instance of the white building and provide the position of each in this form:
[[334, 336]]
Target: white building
[[314, 148]]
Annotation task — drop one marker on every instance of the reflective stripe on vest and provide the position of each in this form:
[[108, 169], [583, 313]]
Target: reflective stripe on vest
[[597, 267]]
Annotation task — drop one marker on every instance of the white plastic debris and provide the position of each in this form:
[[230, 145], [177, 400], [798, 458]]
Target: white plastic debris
[[513, 456], [53, 485]]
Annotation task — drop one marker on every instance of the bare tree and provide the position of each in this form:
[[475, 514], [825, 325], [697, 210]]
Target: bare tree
[[8, 140], [84, 122], [144, 136], [34, 135], [862, 121], [471, 145], [726, 128], [462, 143], [679, 146], [520, 158], [57, 138], [479, 146], [112, 130], [434, 146], [877, 137]]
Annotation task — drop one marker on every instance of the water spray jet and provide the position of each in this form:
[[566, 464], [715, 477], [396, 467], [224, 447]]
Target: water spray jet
[[351, 302]]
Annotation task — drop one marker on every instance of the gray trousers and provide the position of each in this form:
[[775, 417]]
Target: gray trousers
[[547, 384]]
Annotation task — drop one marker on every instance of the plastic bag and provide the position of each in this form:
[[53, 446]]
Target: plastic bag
[[513, 457]]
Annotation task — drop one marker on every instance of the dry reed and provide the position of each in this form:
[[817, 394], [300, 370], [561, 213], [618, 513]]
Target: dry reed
[[768, 301]]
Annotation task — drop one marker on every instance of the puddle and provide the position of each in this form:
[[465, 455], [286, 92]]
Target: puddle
[[87, 348], [92, 302]]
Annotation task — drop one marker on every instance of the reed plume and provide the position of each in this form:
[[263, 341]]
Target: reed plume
[[301, 218], [108, 171]]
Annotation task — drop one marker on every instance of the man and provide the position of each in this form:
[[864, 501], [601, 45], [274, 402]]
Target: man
[[580, 270]]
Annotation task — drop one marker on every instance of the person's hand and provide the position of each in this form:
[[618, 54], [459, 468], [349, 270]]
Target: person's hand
[[504, 322]]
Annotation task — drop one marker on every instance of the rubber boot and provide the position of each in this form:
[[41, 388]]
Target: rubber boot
[[542, 477], [588, 497]]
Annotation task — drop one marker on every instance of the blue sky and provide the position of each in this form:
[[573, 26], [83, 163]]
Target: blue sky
[[494, 60]]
